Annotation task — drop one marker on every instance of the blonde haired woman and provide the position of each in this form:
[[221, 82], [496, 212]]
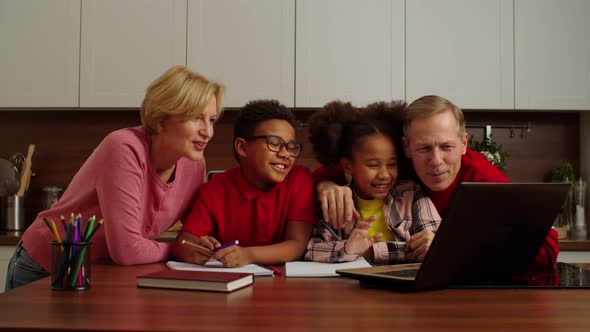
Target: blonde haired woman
[[140, 180]]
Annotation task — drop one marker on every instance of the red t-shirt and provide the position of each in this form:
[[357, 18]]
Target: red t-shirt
[[474, 168], [228, 207]]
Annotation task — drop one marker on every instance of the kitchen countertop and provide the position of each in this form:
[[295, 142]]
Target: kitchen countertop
[[11, 238], [571, 245]]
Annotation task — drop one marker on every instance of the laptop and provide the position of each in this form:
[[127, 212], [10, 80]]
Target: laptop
[[491, 233]]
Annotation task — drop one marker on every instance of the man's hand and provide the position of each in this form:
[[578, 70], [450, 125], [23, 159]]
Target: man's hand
[[337, 204], [418, 244]]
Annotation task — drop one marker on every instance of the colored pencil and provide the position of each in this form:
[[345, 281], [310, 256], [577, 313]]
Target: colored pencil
[[95, 229]]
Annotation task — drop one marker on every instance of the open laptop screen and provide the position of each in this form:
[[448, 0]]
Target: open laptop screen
[[491, 232]]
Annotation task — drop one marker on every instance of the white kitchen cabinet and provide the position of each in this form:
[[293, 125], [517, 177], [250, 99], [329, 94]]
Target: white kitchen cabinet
[[247, 45], [461, 50], [39, 53], [5, 255], [349, 50], [125, 45], [552, 54]]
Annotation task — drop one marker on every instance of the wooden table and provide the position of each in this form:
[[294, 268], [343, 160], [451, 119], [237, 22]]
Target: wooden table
[[278, 304]]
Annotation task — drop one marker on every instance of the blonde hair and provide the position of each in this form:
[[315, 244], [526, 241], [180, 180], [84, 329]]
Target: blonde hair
[[427, 106], [179, 91]]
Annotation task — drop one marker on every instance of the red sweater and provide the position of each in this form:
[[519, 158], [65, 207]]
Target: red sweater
[[474, 168]]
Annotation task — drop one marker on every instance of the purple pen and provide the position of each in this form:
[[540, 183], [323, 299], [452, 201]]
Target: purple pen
[[229, 244]]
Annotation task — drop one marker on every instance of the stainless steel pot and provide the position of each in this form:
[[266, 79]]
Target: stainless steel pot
[[9, 178]]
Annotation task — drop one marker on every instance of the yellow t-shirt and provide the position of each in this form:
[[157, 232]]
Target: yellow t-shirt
[[374, 207]]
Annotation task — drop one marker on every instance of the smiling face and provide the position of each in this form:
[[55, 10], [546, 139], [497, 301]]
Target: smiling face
[[373, 166], [435, 145], [261, 166], [188, 138]]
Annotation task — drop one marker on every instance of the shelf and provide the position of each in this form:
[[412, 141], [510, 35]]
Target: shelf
[[572, 245], [10, 238]]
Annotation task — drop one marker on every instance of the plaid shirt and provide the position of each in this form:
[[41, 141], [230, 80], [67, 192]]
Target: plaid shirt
[[407, 210]]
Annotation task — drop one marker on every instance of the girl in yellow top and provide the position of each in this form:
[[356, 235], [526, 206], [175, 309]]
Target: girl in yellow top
[[366, 143]]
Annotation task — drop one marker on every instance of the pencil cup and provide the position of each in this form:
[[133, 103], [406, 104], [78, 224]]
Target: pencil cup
[[70, 265]]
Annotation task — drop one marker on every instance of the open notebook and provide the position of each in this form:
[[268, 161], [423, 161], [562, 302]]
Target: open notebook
[[316, 269], [216, 266]]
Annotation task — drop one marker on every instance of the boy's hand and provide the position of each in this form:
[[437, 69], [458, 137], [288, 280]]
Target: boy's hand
[[200, 248], [418, 244], [234, 256], [359, 241], [193, 249]]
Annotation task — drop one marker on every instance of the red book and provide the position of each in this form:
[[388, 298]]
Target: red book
[[196, 280]]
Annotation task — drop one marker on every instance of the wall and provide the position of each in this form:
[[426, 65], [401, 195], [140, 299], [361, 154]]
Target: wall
[[64, 139], [553, 137]]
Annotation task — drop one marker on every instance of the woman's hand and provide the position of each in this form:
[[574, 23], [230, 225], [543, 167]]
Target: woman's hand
[[337, 204], [234, 256], [358, 241], [418, 245]]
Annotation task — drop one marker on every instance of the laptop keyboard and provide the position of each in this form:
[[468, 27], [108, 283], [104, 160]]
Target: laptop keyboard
[[411, 273]]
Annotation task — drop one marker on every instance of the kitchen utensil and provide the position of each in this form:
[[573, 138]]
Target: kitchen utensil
[[578, 229], [17, 159], [13, 218], [25, 173], [9, 178], [51, 196]]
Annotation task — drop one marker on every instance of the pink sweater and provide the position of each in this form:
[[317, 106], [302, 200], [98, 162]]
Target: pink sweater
[[118, 183]]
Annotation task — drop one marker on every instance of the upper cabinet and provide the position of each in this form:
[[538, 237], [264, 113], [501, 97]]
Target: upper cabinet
[[39, 53], [247, 45], [349, 50], [126, 45], [480, 54], [552, 54], [462, 50]]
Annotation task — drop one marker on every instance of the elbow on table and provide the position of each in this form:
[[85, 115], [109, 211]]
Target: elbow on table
[[136, 250], [123, 258], [133, 257]]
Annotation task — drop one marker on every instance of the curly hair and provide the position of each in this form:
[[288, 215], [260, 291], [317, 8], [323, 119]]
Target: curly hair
[[327, 127], [258, 111], [388, 118], [338, 127]]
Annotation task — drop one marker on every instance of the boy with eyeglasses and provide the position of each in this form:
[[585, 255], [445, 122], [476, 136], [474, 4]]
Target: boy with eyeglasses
[[266, 205]]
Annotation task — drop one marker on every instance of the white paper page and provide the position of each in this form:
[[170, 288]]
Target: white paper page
[[216, 266], [315, 269]]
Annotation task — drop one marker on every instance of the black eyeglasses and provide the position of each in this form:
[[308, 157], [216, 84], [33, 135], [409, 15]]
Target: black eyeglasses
[[276, 144]]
